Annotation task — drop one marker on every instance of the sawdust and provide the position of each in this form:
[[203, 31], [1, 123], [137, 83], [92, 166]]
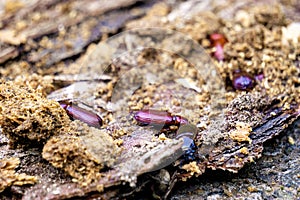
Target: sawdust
[[9, 177], [242, 132], [193, 170], [42, 84], [26, 117], [82, 155], [244, 150]]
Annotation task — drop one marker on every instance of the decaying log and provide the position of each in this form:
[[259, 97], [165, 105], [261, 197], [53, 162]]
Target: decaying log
[[135, 70], [53, 20]]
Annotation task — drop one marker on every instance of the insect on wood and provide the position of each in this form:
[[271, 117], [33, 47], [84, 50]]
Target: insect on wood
[[156, 118], [76, 112]]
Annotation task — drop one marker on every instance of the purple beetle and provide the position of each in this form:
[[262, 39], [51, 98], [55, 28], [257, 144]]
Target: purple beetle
[[76, 112], [242, 81], [156, 117], [218, 41]]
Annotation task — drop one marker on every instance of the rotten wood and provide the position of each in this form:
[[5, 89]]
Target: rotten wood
[[225, 153], [220, 157], [52, 21]]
